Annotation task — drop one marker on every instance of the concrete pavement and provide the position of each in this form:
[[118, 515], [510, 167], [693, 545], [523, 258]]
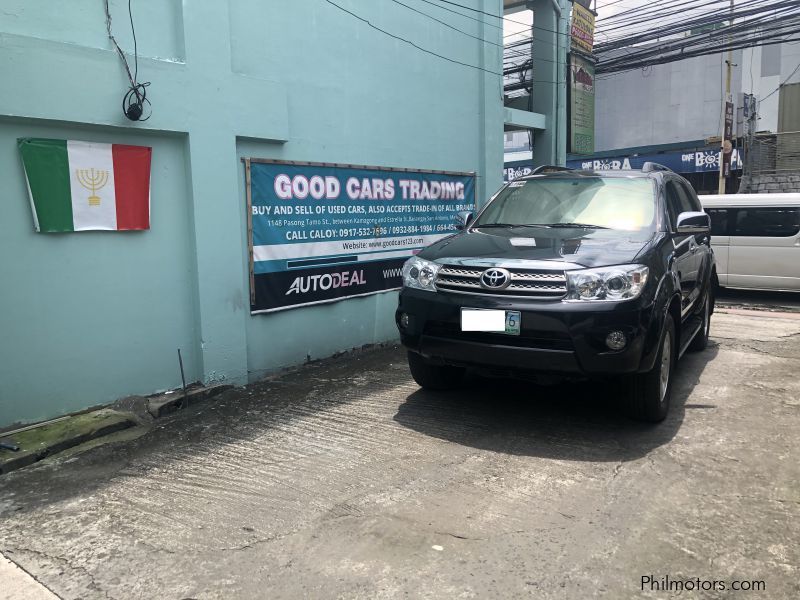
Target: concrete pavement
[[16, 584], [344, 480]]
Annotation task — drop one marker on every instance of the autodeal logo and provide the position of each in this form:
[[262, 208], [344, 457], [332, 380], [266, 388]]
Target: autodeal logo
[[326, 281]]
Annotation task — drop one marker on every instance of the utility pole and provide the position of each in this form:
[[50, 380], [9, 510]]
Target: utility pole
[[726, 147]]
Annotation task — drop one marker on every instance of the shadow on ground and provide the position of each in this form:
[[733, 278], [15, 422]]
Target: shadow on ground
[[571, 421]]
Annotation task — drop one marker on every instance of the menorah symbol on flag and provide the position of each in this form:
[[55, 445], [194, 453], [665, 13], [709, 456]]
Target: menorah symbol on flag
[[92, 180]]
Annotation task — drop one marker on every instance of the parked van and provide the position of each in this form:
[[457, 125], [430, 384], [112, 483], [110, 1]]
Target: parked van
[[756, 240]]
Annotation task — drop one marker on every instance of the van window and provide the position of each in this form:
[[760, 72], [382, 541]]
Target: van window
[[767, 222], [719, 220]]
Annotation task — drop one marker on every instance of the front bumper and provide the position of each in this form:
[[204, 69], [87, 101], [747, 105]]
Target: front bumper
[[555, 337]]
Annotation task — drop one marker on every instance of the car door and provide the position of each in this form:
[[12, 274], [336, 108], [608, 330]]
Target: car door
[[700, 246], [685, 251], [765, 248]]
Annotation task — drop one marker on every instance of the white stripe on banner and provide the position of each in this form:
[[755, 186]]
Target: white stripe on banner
[[343, 247], [91, 178], [387, 255]]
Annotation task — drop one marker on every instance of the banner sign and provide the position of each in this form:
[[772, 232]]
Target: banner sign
[[581, 105], [582, 28], [322, 232], [518, 168], [695, 160]]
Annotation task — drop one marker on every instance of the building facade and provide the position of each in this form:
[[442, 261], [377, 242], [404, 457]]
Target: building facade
[[672, 113], [87, 318]]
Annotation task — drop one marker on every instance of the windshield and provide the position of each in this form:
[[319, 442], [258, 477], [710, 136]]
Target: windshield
[[608, 202]]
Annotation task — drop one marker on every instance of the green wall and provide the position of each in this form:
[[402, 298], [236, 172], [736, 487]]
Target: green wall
[[90, 317]]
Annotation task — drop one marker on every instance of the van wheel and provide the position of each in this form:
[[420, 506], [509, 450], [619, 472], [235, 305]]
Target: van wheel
[[700, 340], [648, 394], [434, 377]]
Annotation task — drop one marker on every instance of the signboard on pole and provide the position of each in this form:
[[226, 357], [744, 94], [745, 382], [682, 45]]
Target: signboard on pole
[[581, 105], [323, 232], [582, 28], [727, 145]]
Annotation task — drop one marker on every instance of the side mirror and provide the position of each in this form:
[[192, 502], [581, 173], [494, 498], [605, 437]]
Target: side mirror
[[463, 219], [691, 223]]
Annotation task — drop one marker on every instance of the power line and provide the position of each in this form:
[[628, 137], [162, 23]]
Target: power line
[[402, 39], [489, 15], [608, 4], [782, 84], [757, 22], [411, 8], [482, 12]]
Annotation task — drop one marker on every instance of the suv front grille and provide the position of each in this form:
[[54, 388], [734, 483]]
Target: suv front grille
[[525, 283]]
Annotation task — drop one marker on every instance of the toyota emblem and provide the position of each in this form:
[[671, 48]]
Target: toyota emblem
[[495, 279]]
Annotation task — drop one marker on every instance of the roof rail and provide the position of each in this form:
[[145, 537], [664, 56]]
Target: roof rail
[[649, 167], [549, 169]]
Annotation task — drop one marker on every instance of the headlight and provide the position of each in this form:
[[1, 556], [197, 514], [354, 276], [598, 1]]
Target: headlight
[[622, 282], [420, 274]]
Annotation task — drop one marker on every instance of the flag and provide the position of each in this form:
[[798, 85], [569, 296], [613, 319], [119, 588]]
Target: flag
[[79, 186]]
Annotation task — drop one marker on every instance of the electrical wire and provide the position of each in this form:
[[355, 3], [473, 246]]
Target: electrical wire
[[757, 22], [411, 8], [537, 27], [775, 91], [404, 40], [135, 99]]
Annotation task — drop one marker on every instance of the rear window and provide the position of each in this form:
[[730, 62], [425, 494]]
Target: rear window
[[613, 202], [767, 222]]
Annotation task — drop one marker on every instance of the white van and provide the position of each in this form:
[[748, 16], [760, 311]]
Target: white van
[[756, 240]]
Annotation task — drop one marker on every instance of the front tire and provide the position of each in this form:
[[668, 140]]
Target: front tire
[[434, 377], [648, 394]]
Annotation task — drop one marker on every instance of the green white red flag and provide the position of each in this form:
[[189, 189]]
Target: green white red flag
[[82, 186]]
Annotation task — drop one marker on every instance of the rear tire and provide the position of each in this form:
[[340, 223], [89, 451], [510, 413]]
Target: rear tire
[[648, 394], [434, 377], [700, 340]]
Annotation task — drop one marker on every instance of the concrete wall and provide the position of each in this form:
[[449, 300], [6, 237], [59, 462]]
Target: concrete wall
[[668, 103], [681, 101], [89, 317], [770, 66]]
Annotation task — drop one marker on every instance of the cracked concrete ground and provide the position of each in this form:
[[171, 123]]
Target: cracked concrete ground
[[344, 480]]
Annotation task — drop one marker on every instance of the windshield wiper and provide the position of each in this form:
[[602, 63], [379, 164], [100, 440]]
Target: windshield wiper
[[577, 225]]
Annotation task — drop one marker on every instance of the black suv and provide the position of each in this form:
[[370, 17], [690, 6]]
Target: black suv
[[566, 274]]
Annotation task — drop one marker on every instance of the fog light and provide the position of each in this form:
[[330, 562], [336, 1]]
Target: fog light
[[616, 340], [404, 320]]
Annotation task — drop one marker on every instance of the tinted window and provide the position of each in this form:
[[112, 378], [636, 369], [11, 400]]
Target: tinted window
[[677, 202], [767, 222], [691, 197], [719, 220]]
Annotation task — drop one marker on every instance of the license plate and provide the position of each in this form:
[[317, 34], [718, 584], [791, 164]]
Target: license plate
[[495, 321]]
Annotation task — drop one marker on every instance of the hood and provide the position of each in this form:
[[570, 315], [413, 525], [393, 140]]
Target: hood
[[576, 246]]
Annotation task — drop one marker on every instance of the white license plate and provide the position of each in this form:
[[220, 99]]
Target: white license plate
[[496, 321]]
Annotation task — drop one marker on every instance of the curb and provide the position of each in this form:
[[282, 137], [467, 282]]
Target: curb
[[159, 406], [37, 444], [40, 442]]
